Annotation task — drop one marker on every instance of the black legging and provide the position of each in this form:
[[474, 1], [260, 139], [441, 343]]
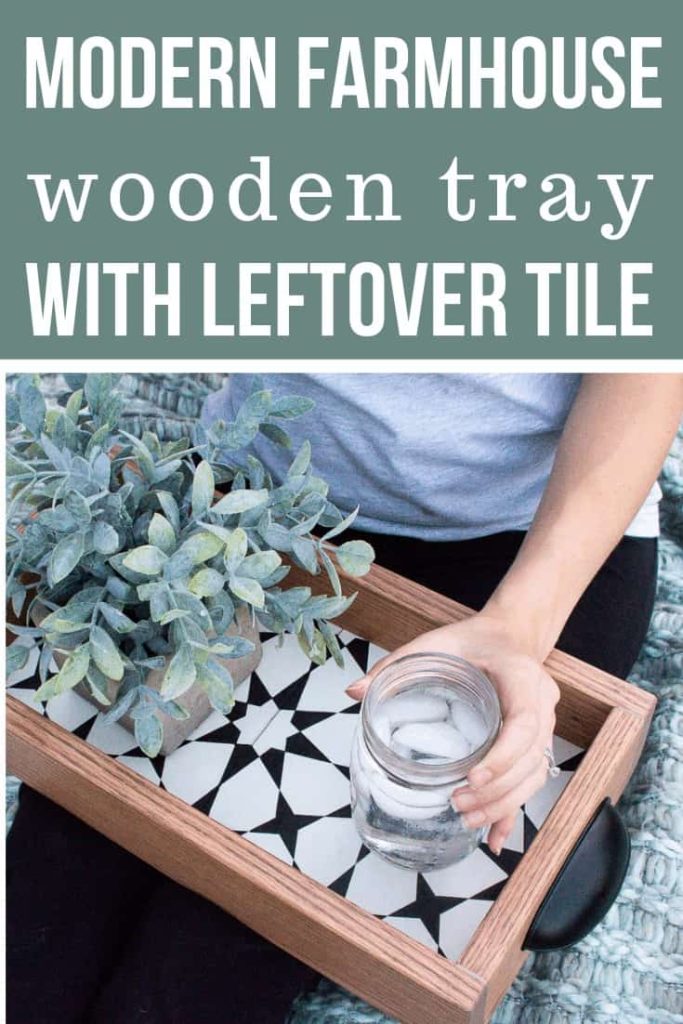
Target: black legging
[[96, 936]]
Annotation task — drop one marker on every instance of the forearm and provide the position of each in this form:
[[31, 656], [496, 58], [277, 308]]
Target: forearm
[[613, 445]]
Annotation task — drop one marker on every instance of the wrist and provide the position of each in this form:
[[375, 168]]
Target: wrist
[[526, 625]]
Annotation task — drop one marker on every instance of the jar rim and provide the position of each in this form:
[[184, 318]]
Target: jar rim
[[420, 773]]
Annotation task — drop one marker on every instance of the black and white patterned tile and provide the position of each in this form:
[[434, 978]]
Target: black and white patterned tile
[[277, 771]]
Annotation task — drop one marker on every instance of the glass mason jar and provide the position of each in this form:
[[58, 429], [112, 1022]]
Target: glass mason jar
[[425, 722]]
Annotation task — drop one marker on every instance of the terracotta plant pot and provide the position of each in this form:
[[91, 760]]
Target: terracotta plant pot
[[195, 700]]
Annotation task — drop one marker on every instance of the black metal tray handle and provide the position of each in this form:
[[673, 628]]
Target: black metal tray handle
[[586, 885]]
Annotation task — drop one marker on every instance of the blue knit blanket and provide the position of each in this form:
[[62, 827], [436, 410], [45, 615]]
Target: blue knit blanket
[[630, 969]]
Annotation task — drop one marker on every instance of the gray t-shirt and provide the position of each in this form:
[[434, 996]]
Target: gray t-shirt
[[436, 456]]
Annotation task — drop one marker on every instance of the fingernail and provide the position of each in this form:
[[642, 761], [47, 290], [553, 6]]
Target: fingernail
[[496, 848], [461, 801], [474, 820], [354, 691], [479, 777]]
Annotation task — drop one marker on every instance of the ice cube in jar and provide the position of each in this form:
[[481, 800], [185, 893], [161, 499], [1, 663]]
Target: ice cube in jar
[[416, 707], [429, 741], [468, 722]]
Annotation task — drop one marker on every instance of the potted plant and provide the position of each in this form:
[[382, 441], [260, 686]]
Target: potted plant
[[140, 568]]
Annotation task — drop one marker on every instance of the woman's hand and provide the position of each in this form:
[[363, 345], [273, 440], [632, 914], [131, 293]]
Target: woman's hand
[[515, 766]]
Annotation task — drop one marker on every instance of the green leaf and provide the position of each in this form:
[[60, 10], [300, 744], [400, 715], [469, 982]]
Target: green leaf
[[101, 470], [221, 532], [70, 674], [291, 406], [166, 469], [217, 683], [59, 457], [232, 647], [79, 508], [276, 434], [169, 507], [235, 549], [172, 614], [142, 456], [117, 562], [200, 547], [161, 534], [180, 674], [179, 565], [256, 472], [151, 441], [18, 599], [16, 657], [332, 643], [65, 557], [340, 527], [203, 487], [260, 565], [302, 460], [221, 611], [322, 607], [59, 622], [117, 619], [104, 653], [234, 435], [15, 467], [182, 444], [97, 440], [303, 528], [174, 710], [256, 406], [158, 604], [317, 650], [73, 406], [248, 590], [276, 536], [206, 583], [97, 388], [32, 410], [120, 590], [289, 602], [148, 560], [97, 683], [331, 571], [240, 501], [105, 538], [305, 551], [81, 606], [12, 414], [120, 706], [355, 557], [149, 734], [23, 630], [189, 603]]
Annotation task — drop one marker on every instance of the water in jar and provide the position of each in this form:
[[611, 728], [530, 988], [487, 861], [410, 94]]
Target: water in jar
[[411, 822]]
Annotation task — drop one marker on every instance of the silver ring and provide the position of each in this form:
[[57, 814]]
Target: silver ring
[[553, 770]]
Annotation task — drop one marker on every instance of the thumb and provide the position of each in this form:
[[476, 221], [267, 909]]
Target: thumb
[[357, 689]]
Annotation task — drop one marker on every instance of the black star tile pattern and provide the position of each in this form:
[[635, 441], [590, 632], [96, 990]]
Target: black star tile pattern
[[287, 783]]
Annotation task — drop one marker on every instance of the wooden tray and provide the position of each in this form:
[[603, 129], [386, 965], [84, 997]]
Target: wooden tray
[[388, 968]]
